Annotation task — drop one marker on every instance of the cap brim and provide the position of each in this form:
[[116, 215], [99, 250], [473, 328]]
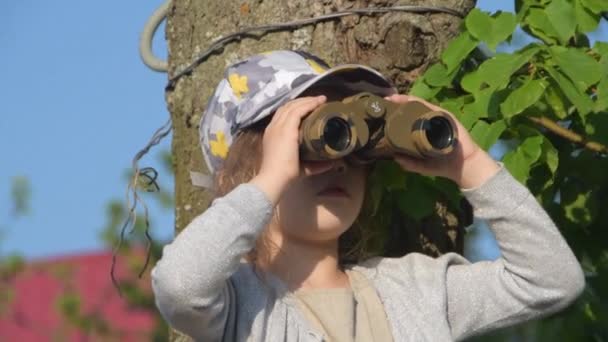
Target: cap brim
[[352, 77]]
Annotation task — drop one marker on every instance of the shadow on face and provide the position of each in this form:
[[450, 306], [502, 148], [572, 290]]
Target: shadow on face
[[305, 213]]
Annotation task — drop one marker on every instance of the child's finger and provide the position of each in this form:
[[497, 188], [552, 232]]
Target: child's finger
[[299, 108], [307, 107], [282, 112], [399, 98], [287, 107], [410, 164], [294, 119]]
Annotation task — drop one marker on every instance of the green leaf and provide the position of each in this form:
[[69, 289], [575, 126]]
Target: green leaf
[[596, 127], [7, 297], [579, 206], [540, 26], [504, 26], [520, 161], [579, 167], [556, 100], [596, 6], [11, 265], [489, 72], [468, 119], [550, 155], [580, 100], [491, 30], [458, 108], [418, 199], [521, 9], [540, 183], [560, 15], [581, 68], [480, 108], [389, 174], [523, 97], [601, 48], [496, 72], [479, 23], [449, 189], [69, 305], [457, 50], [517, 165], [589, 312], [422, 90], [486, 135], [601, 101], [376, 190], [454, 105], [586, 20], [437, 76]]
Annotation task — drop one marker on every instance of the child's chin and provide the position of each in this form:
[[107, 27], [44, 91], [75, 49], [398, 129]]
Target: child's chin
[[329, 221]]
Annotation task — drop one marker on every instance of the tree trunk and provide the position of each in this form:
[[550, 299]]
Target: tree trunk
[[400, 45]]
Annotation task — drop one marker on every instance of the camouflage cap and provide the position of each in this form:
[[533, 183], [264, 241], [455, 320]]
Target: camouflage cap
[[257, 86]]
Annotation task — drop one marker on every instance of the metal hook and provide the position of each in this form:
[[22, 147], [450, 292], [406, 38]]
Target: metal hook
[[145, 42]]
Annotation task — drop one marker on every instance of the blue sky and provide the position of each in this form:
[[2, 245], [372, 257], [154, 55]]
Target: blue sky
[[77, 104]]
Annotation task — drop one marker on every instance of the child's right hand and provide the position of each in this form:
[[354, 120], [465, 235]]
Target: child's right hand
[[281, 159]]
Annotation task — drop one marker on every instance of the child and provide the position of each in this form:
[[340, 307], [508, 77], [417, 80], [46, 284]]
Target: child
[[263, 262]]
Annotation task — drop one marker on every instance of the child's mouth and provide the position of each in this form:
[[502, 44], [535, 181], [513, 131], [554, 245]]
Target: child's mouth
[[333, 191]]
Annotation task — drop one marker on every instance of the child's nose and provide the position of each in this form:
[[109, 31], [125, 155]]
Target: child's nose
[[340, 166]]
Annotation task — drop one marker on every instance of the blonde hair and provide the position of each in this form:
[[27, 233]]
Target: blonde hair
[[353, 244]]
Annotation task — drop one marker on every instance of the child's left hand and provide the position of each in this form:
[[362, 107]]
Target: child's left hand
[[468, 165]]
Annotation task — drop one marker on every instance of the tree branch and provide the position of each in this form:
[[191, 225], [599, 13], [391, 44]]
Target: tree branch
[[568, 134]]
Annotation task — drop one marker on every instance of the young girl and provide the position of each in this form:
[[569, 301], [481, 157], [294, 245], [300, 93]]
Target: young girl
[[263, 262]]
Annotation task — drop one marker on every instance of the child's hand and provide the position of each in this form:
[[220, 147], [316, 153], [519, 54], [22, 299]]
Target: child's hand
[[468, 165], [281, 159]]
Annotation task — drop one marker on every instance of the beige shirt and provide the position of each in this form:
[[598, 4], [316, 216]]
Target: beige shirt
[[353, 314]]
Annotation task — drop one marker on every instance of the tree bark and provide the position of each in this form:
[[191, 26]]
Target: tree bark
[[400, 45]]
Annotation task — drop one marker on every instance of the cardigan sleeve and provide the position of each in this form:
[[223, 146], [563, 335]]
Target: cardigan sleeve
[[191, 281], [537, 273]]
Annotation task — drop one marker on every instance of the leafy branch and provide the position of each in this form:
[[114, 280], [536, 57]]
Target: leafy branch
[[568, 134], [500, 101]]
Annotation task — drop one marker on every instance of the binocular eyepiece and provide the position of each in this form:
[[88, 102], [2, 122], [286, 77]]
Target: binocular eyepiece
[[365, 127]]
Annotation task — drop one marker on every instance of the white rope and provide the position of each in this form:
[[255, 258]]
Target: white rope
[[154, 63], [246, 32]]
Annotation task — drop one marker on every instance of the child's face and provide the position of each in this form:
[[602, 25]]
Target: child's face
[[322, 207]]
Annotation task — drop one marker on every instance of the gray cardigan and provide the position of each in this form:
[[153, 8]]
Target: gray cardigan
[[204, 290]]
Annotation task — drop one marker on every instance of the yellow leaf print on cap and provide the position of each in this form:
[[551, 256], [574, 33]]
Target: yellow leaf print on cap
[[315, 66], [219, 148], [238, 84]]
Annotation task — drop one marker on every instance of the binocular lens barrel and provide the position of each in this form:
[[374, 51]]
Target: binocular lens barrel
[[336, 134], [365, 127], [439, 133]]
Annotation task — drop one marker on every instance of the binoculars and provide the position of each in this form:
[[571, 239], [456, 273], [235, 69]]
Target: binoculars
[[365, 127]]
